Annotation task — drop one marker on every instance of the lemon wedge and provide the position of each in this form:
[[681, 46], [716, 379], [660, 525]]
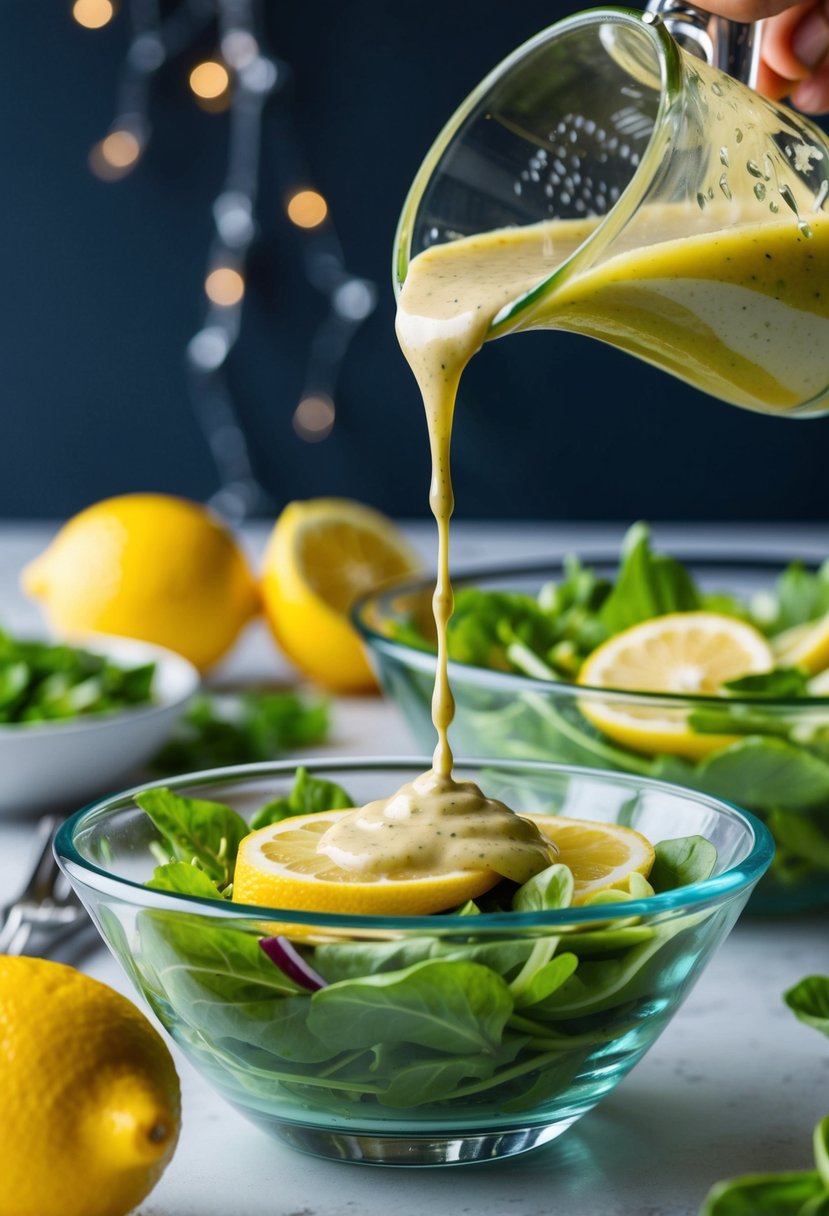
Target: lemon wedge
[[322, 555], [681, 653], [805, 646], [602, 856], [279, 867]]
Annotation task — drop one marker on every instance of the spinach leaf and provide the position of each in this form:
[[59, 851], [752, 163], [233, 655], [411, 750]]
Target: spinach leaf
[[764, 773], [546, 980], [781, 683], [195, 830], [648, 585], [764, 1195], [551, 888], [184, 878], [805, 837], [308, 795], [451, 1006], [221, 983], [682, 861], [809, 1001]]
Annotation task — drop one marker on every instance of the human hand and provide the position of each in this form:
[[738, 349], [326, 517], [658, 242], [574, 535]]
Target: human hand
[[795, 48]]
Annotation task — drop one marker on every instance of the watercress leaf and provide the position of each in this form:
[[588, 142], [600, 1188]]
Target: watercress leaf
[[809, 1001], [764, 773], [763, 1195], [195, 829], [547, 980], [648, 585], [551, 888], [184, 878], [681, 861], [782, 682], [449, 1006], [308, 795]]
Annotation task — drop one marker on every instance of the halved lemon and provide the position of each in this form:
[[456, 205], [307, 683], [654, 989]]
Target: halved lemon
[[680, 653], [601, 855], [279, 867], [322, 555], [805, 646]]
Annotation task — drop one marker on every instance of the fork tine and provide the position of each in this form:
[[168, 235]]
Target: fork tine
[[43, 917]]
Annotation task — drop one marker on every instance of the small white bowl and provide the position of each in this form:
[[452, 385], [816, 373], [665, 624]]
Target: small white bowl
[[59, 765]]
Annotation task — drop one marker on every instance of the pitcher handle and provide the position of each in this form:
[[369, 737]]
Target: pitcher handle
[[731, 46]]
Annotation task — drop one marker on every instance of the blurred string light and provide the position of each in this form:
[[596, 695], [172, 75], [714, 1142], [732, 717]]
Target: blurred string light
[[242, 76], [93, 14]]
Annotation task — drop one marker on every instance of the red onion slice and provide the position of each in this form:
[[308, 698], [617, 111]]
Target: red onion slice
[[288, 959]]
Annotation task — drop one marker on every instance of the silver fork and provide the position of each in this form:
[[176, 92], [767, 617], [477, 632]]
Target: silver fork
[[46, 914]]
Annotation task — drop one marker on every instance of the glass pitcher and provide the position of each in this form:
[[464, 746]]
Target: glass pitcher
[[703, 242]]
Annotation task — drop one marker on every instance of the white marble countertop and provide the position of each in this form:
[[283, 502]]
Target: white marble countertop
[[734, 1085]]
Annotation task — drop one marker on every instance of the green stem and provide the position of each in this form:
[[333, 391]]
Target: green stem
[[539, 956]]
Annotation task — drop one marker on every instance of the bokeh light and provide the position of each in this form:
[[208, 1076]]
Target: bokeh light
[[314, 418], [224, 286], [93, 14], [210, 82], [115, 155], [307, 209]]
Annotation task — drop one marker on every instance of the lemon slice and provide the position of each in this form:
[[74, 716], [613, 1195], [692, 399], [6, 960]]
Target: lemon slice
[[601, 855], [279, 867], [322, 555], [805, 646], [681, 653]]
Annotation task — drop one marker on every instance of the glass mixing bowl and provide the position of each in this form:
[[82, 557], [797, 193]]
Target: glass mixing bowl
[[416, 1040], [777, 766]]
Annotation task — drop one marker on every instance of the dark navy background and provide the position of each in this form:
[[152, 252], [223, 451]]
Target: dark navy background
[[101, 289]]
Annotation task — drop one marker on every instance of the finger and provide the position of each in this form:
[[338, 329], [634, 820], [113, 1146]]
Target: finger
[[812, 95], [796, 42], [771, 84], [745, 10]]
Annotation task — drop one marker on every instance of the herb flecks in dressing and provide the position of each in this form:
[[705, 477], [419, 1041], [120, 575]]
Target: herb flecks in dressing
[[436, 825]]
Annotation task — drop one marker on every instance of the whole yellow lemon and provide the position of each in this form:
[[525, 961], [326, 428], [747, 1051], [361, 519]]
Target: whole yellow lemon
[[147, 566], [91, 1101], [321, 556]]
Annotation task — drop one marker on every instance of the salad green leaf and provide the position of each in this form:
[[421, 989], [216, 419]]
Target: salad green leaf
[[242, 729], [307, 796], [41, 681], [682, 861], [649, 584], [207, 834], [809, 1001]]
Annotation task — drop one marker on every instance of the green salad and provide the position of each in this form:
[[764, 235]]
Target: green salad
[[465, 1018], [774, 757], [44, 682]]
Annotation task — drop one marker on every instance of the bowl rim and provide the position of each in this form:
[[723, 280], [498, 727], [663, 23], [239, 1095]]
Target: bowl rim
[[471, 673], [134, 650], [716, 889]]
